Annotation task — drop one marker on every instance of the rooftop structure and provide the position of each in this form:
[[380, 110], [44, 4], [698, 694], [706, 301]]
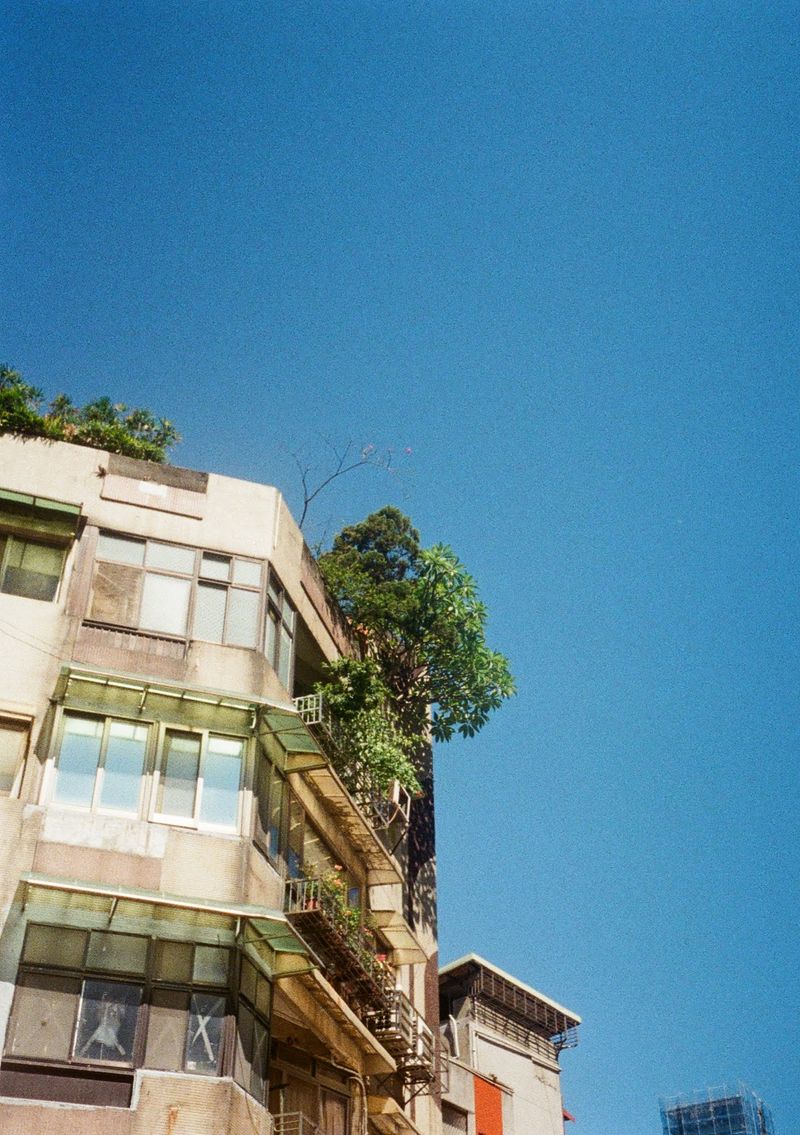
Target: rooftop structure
[[504, 1039]]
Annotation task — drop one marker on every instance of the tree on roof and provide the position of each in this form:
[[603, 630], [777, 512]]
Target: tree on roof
[[418, 617]]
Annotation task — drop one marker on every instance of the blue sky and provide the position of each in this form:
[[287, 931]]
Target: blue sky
[[554, 251]]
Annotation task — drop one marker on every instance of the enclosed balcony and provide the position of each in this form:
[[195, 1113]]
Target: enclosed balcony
[[318, 909]]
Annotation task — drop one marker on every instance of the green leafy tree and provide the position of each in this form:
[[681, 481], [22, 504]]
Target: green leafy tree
[[417, 614], [101, 424]]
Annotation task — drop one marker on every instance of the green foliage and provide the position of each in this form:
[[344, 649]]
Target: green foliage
[[368, 732], [100, 424], [418, 616]]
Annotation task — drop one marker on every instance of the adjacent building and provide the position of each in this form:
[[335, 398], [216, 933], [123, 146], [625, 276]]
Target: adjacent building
[[503, 1041], [207, 924], [729, 1110]]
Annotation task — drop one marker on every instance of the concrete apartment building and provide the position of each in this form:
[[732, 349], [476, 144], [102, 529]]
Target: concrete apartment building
[[503, 1040], [168, 959]]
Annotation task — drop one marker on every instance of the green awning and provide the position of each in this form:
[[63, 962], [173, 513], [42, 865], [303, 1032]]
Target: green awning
[[287, 741], [265, 935], [31, 515], [103, 692]]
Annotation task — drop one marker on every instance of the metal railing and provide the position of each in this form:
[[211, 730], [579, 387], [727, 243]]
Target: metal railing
[[294, 1123], [335, 930], [384, 808], [403, 1033]]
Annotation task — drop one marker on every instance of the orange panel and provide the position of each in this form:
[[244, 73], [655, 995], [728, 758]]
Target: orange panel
[[488, 1108]]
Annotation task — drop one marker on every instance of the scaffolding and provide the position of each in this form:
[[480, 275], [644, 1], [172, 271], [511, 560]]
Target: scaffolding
[[727, 1110]]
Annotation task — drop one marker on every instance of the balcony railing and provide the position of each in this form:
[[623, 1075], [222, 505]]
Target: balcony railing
[[333, 929], [294, 1123], [403, 1033], [387, 811]]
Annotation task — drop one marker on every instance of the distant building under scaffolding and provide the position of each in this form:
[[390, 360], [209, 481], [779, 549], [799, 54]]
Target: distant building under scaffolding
[[734, 1110]]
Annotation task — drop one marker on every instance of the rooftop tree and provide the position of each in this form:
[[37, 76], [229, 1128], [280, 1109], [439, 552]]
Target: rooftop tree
[[421, 626]]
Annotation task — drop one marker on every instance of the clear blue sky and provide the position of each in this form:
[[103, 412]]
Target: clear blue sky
[[554, 251]]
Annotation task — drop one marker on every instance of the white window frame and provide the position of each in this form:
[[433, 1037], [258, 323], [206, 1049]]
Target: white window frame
[[194, 822]]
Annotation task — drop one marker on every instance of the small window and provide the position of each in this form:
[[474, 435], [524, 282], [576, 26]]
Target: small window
[[14, 734], [228, 610], [30, 568]]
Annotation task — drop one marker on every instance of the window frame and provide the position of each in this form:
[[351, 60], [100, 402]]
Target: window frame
[[196, 579], [38, 521], [282, 614], [95, 807], [7, 540], [268, 775], [194, 822]]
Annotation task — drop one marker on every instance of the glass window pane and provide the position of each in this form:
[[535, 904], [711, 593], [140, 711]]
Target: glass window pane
[[173, 961], [55, 945], [219, 803], [248, 980], [176, 789], [170, 557], [165, 604], [275, 591], [13, 742], [107, 1022], [124, 764], [211, 965], [258, 1079], [271, 642], [32, 570], [121, 549], [242, 1069], [204, 1034], [242, 628], [43, 1016], [285, 660], [263, 996], [276, 794], [247, 572], [294, 851], [77, 760], [116, 594], [215, 567], [166, 1030], [209, 612], [119, 953], [317, 859]]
